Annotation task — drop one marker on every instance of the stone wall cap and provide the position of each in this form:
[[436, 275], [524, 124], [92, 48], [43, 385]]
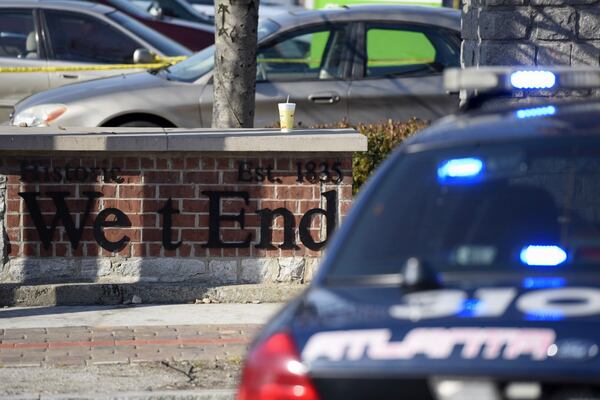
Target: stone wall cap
[[176, 139]]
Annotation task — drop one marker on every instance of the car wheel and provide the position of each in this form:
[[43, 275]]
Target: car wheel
[[140, 124]]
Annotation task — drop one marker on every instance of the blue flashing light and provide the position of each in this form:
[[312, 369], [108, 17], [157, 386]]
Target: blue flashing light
[[536, 112], [460, 170], [469, 308], [543, 282], [543, 256], [545, 316], [533, 80]]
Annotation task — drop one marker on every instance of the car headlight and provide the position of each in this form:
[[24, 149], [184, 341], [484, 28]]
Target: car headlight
[[42, 115]]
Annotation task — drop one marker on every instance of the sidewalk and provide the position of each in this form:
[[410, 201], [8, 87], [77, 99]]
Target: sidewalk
[[111, 351]]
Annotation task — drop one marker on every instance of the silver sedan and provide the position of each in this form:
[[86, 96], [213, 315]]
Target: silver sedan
[[360, 63]]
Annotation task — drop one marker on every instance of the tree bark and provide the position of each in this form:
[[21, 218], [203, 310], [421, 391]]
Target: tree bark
[[236, 23]]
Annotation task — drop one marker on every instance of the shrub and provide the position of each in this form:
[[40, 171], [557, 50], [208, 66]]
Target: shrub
[[382, 139]]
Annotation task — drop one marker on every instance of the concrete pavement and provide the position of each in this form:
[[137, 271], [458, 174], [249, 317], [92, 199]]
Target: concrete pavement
[[141, 351], [138, 315]]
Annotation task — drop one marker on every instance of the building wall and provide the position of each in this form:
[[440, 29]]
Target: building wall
[[157, 217], [531, 32]]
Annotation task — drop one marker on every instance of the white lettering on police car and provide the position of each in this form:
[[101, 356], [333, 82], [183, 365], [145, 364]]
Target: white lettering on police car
[[490, 302], [564, 302], [493, 302], [433, 343], [430, 304]]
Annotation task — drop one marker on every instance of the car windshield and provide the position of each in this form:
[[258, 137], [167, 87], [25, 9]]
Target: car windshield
[[202, 62], [161, 43], [531, 205]]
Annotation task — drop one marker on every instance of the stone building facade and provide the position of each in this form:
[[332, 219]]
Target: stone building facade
[[531, 32]]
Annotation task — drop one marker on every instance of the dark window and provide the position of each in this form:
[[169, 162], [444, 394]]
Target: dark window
[[304, 56], [393, 51], [166, 46], [77, 37], [202, 2], [480, 208], [18, 38]]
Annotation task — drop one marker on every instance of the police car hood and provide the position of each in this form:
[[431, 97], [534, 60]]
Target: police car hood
[[544, 326]]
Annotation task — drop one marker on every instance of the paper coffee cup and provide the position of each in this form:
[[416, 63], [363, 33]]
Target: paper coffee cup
[[286, 116]]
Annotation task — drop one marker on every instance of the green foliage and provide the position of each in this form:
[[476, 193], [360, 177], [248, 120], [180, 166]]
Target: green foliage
[[382, 139]]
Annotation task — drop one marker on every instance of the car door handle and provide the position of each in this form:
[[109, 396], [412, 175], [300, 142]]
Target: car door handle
[[324, 98], [69, 76]]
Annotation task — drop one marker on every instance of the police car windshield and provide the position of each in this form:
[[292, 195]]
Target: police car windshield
[[530, 205]]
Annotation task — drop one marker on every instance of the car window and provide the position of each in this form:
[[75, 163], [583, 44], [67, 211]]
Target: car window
[[483, 208], [307, 55], [163, 44], [18, 38], [415, 51], [202, 62], [82, 38]]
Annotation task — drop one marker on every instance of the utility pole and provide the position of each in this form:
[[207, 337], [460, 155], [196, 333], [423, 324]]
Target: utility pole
[[236, 23]]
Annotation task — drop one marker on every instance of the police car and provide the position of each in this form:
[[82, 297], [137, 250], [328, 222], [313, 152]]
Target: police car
[[469, 267]]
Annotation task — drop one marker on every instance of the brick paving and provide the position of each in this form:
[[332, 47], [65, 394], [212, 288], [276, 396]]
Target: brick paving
[[73, 346]]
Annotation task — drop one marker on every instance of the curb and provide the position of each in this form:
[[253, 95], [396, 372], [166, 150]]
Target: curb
[[80, 294], [226, 394]]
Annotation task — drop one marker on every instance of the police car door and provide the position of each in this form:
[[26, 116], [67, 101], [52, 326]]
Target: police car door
[[398, 74]]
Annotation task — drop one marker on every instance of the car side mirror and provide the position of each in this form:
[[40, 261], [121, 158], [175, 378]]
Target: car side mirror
[[143, 56], [156, 10], [418, 276]]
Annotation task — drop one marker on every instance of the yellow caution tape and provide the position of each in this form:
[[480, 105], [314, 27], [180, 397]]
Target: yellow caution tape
[[160, 62]]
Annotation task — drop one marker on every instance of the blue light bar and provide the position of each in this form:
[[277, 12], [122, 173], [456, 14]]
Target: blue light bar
[[543, 256], [536, 112], [460, 170], [543, 282], [545, 316], [533, 80]]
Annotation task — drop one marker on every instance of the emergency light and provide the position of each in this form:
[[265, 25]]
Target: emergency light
[[532, 79], [543, 256], [509, 79], [535, 112], [460, 170]]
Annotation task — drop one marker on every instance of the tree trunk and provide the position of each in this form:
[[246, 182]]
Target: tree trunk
[[234, 78]]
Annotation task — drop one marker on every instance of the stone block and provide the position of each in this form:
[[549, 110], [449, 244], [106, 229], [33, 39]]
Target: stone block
[[469, 23], [223, 271], [94, 268], [163, 269], [42, 270], [493, 53], [585, 54], [502, 25], [555, 23], [291, 269], [492, 3], [310, 268], [556, 54], [589, 24], [561, 2], [259, 270], [469, 53]]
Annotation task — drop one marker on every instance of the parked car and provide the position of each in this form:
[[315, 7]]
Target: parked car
[[179, 21], [335, 64], [46, 34], [266, 9], [468, 269], [181, 9]]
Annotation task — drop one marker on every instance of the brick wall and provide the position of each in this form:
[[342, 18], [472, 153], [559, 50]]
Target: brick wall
[[531, 32], [170, 216]]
